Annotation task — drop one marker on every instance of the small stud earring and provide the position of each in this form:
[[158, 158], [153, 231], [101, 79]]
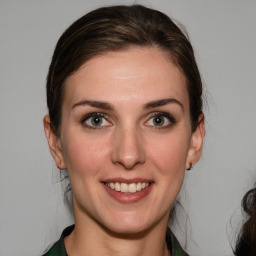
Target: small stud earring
[[190, 166]]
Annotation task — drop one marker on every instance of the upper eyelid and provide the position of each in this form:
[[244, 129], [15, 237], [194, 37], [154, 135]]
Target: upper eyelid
[[86, 117], [100, 114], [170, 117], [147, 116], [95, 114], [162, 113], [103, 114]]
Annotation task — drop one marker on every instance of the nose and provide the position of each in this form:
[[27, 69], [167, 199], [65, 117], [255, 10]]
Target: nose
[[128, 149]]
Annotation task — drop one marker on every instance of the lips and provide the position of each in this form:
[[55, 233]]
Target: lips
[[127, 187], [128, 191]]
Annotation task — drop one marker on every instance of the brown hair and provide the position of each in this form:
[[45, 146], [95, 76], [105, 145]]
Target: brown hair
[[116, 28], [246, 243]]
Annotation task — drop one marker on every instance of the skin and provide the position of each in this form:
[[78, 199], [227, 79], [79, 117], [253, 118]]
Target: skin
[[128, 144]]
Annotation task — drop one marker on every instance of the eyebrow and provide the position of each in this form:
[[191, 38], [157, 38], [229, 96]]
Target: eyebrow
[[92, 103], [163, 102], [107, 106]]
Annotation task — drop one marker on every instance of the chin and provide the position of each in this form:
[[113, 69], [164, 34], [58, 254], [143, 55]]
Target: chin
[[130, 225], [129, 231]]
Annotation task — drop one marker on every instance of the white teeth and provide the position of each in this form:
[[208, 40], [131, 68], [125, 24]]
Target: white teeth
[[117, 186], [138, 186], [124, 187], [127, 188], [132, 188]]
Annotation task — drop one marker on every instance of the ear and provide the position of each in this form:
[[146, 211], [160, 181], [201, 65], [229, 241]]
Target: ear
[[54, 143], [196, 143]]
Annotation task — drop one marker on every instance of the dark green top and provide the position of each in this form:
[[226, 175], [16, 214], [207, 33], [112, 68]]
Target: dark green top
[[58, 249]]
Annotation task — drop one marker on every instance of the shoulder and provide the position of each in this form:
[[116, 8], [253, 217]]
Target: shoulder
[[58, 249]]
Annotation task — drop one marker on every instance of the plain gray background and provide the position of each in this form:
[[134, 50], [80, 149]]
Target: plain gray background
[[32, 213]]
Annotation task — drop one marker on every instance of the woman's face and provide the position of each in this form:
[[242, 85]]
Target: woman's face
[[126, 126]]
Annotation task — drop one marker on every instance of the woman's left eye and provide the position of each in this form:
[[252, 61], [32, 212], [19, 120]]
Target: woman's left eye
[[160, 120]]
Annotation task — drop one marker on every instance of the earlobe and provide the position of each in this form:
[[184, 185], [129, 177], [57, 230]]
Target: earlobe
[[54, 143], [196, 143]]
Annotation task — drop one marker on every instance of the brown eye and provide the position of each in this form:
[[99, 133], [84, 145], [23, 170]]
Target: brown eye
[[161, 120], [158, 120], [96, 120]]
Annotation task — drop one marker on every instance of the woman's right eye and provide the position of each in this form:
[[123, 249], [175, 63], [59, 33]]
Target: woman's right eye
[[96, 121]]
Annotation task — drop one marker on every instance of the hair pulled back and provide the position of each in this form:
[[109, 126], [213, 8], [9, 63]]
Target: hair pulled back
[[246, 243], [117, 28]]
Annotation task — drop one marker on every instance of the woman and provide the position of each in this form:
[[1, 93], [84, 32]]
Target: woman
[[246, 243], [125, 120]]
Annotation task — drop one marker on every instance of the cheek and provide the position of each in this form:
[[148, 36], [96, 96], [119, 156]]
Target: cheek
[[169, 154], [83, 155]]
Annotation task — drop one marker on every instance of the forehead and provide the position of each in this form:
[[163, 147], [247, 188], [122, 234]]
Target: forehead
[[131, 73]]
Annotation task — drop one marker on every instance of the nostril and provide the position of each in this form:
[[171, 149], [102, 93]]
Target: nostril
[[127, 149], [128, 163]]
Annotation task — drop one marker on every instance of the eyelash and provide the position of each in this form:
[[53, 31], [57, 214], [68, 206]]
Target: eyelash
[[165, 115], [100, 115], [96, 115]]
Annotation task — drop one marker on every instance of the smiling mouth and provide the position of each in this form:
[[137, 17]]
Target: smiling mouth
[[127, 188]]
